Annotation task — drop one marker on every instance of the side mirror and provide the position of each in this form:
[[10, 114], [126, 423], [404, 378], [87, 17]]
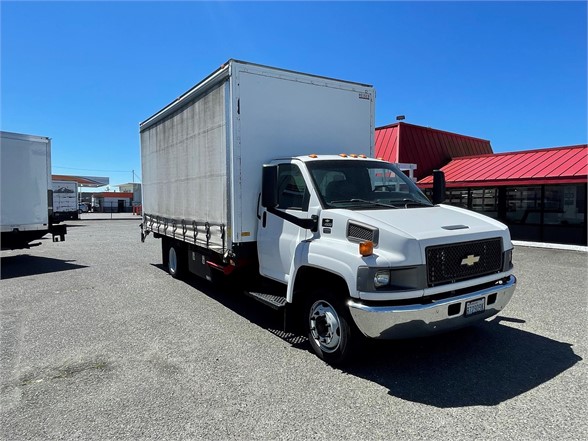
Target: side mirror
[[269, 186], [438, 187]]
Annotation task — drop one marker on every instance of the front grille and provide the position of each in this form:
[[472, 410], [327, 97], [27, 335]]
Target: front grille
[[359, 233], [462, 261]]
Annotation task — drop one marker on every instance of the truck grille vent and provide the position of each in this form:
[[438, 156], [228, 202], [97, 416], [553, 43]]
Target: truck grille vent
[[461, 261], [359, 233]]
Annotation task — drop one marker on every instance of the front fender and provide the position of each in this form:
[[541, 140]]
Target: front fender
[[322, 255]]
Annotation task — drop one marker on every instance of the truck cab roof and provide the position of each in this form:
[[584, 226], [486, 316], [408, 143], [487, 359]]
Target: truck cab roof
[[339, 157]]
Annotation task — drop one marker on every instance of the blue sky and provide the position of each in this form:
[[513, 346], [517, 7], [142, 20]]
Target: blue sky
[[85, 74]]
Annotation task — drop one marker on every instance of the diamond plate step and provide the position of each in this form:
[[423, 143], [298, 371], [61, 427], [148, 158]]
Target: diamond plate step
[[271, 300]]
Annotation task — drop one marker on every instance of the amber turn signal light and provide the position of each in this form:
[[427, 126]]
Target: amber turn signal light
[[366, 248]]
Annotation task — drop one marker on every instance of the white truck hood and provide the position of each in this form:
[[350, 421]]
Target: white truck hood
[[435, 224], [404, 235]]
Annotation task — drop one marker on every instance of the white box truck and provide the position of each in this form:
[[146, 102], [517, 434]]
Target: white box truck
[[242, 177], [65, 200], [25, 191]]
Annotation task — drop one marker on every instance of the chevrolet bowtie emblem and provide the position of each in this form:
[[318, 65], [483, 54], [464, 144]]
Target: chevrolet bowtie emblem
[[470, 260]]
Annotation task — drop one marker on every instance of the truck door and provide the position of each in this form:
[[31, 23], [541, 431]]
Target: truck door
[[278, 238]]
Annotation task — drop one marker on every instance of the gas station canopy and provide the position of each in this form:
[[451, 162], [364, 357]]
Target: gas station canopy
[[84, 181]]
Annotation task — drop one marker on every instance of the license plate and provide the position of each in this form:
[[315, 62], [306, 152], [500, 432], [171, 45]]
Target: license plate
[[475, 306]]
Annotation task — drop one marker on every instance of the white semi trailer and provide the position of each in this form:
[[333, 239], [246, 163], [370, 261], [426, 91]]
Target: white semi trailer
[[25, 191], [65, 200], [268, 174]]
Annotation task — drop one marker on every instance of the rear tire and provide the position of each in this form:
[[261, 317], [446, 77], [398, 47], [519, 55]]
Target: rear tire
[[331, 331], [174, 258]]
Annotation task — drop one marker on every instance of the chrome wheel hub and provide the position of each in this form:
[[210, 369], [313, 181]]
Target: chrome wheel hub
[[325, 328]]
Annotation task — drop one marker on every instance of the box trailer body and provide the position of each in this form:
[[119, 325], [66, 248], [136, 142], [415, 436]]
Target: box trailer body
[[65, 200], [266, 175], [202, 155], [25, 191]]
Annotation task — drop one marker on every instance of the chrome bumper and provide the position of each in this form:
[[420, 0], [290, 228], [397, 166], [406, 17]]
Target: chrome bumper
[[392, 322]]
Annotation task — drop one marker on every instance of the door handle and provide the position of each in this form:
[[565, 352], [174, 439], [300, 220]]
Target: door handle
[[258, 201]]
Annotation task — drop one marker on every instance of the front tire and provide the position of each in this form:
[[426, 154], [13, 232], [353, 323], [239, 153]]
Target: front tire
[[331, 332]]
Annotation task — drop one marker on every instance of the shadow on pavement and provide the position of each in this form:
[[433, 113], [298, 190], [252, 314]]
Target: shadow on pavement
[[231, 297], [482, 365], [26, 265]]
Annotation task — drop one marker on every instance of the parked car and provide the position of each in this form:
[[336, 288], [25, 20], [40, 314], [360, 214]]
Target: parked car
[[83, 208]]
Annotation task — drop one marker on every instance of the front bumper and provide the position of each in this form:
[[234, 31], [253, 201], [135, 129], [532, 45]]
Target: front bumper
[[395, 322]]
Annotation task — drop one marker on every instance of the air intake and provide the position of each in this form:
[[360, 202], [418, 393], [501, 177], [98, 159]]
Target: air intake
[[357, 232]]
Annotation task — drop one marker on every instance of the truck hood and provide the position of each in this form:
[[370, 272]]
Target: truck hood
[[438, 224]]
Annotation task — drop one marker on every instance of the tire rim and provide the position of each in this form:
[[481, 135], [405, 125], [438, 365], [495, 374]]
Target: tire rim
[[172, 261], [325, 327]]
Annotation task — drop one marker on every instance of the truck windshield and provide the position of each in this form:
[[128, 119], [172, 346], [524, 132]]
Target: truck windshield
[[360, 185]]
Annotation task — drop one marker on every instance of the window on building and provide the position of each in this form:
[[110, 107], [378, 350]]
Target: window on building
[[457, 197], [523, 205], [565, 204], [485, 201]]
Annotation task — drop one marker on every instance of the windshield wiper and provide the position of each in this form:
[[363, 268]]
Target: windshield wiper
[[374, 203], [364, 201], [412, 201]]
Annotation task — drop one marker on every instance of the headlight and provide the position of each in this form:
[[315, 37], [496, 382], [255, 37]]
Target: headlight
[[372, 279], [381, 278]]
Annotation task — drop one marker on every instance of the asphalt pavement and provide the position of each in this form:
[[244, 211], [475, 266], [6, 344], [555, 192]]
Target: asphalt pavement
[[99, 342]]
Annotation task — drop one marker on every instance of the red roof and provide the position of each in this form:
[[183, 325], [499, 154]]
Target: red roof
[[114, 194], [428, 148], [558, 165]]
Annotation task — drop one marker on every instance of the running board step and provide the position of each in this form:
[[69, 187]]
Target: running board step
[[271, 300]]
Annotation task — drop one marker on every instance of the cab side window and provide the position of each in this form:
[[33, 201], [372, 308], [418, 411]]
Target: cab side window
[[292, 191]]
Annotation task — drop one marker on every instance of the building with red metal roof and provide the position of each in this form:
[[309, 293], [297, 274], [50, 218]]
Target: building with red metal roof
[[540, 194], [559, 165], [428, 148]]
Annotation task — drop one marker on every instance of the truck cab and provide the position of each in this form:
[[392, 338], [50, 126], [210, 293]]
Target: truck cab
[[363, 251]]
